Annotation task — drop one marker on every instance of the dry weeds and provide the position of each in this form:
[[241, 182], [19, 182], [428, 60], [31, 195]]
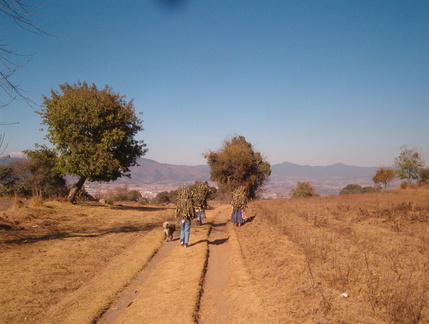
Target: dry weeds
[[373, 247], [290, 264], [54, 255]]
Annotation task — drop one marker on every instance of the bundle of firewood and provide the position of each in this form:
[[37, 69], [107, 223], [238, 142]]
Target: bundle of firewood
[[185, 204], [239, 198], [201, 193]]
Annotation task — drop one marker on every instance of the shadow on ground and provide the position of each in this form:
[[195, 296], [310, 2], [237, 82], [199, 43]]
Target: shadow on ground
[[88, 232]]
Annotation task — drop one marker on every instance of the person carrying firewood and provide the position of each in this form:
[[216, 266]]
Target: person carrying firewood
[[239, 201]]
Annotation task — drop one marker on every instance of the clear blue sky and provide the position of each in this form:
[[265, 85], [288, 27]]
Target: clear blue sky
[[308, 82]]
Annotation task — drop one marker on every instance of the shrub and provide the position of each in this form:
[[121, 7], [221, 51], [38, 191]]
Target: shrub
[[303, 190], [352, 189]]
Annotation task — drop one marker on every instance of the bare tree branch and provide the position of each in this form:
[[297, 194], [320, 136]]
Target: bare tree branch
[[21, 12], [1, 144]]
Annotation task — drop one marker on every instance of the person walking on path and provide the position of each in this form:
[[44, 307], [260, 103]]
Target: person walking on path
[[238, 217], [185, 211], [201, 215], [185, 231], [188, 200], [238, 203]]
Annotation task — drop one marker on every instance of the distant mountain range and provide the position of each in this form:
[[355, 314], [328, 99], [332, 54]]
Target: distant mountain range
[[152, 172], [7, 159], [326, 180], [284, 176], [338, 170]]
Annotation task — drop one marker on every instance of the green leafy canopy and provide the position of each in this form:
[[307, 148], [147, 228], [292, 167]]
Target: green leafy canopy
[[236, 164], [93, 130]]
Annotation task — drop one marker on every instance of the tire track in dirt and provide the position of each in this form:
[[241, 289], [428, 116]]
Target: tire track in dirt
[[126, 298], [209, 252], [214, 301], [171, 282]]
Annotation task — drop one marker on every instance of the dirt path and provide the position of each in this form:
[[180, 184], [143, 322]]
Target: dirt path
[[197, 284], [169, 289], [214, 301], [127, 296]]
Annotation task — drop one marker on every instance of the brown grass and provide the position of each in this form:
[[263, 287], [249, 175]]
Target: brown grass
[[372, 246], [65, 264], [60, 258]]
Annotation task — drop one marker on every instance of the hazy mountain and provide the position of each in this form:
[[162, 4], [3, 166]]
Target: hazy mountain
[[5, 160], [152, 172], [284, 176], [338, 170], [325, 179]]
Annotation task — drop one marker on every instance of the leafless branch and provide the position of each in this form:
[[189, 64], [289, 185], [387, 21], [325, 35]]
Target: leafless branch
[[1, 144], [21, 12]]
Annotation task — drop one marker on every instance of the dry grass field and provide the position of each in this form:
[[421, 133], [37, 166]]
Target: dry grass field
[[62, 251], [290, 263], [374, 247]]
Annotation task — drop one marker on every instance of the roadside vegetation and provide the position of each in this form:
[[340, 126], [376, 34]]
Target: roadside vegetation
[[236, 164], [374, 247]]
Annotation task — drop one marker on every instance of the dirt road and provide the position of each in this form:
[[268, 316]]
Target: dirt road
[[204, 283]]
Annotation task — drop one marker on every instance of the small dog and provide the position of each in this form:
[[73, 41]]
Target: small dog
[[168, 230]]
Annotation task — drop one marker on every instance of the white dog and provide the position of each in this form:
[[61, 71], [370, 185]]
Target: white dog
[[168, 230]]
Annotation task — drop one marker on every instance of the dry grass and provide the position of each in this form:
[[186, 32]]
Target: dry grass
[[65, 264], [372, 246], [59, 259]]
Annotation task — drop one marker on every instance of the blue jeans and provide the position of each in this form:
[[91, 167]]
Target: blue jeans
[[200, 216], [185, 231]]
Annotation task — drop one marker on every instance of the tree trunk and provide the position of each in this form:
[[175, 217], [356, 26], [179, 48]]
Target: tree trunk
[[75, 189]]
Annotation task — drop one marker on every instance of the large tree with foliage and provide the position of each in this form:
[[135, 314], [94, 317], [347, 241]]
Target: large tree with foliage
[[236, 164], [93, 130], [408, 164]]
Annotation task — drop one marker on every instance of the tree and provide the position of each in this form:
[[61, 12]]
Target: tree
[[303, 190], [13, 179], [237, 164], [42, 177], [123, 193], [161, 198], [408, 164], [384, 176], [93, 130], [7, 181]]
